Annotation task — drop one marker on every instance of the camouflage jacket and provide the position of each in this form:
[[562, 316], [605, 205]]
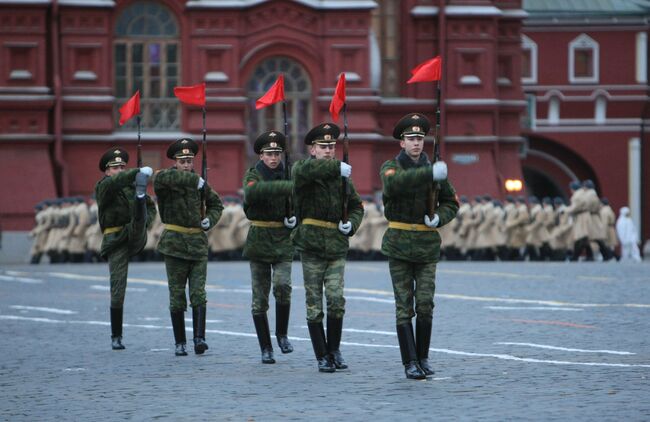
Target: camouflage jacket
[[179, 203], [406, 187], [265, 199], [317, 194], [116, 202]]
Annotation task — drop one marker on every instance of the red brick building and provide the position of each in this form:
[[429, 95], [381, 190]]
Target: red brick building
[[67, 65]]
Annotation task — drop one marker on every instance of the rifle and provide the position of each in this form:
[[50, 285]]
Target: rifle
[[345, 185], [432, 198], [139, 144], [287, 165], [204, 168]]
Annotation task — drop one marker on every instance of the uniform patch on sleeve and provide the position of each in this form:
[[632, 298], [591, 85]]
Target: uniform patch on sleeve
[[389, 172], [251, 183]]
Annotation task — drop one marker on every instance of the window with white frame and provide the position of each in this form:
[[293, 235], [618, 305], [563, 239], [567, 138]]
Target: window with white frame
[[554, 110], [528, 60], [583, 60], [600, 113]]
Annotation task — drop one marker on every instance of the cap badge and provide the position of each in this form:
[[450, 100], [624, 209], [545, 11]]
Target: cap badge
[[327, 137], [184, 141], [117, 152], [415, 117], [118, 159], [416, 129], [273, 134], [327, 127], [186, 151], [273, 145]]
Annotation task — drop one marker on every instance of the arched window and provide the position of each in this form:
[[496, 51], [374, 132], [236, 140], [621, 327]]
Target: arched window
[[297, 92], [600, 113], [583, 60], [529, 60], [147, 58], [554, 110]]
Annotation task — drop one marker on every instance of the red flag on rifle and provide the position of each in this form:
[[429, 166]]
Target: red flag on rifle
[[338, 100], [428, 71], [194, 94], [130, 108], [273, 95]]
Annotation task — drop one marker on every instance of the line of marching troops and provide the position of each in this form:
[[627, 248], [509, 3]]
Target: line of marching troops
[[67, 230]]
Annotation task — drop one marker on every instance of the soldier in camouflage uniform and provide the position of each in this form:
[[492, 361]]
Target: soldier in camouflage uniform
[[412, 242], [184, 243], [267, 194], [322, 239], [123, 212]]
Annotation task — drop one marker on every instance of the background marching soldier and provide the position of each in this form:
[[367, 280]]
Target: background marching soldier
[[184, 243], [123, 212], [322, 239], [412, 242], [268, 245]]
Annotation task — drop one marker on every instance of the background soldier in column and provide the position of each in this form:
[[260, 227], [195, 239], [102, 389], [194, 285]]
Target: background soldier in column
[[322, 239], [268, 244], [579, 210], [608, 219], [39, 232], [597, 231], [123, 212], [184, 243], [412, 242]]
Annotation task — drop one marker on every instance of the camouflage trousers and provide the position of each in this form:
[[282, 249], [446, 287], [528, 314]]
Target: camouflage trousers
[[319, 274], [118, 266], [179, 271], [261, 283], [413, 280]]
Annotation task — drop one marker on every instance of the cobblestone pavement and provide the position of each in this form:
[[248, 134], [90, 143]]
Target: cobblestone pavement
[[510, 341]]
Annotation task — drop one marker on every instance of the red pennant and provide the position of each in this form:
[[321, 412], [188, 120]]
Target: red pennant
[[338, 100], [130, 108], [194, 94], [273, 95], [428, 71]]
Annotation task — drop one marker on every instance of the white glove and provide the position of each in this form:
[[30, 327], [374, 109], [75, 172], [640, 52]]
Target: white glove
[[439, 171], [432, 223], [146, 170], [205, 223], [290, 222], [346, 169], [201, 183], [345, 228]]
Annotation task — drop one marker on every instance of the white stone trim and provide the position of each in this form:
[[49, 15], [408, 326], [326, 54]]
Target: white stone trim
[[580, 129], [584, 41], [216, 77], [222, 4], [406, 101], [26, 97], [375, 61], [528, 44], [465, 138], [590, 121], [473, 11], [554, 160], [514, 13], [89, 98], [554, 110], [150, 136], [350, 77], [470, 80], [315, 4], [424, 11], [24, 2], [586, 87], [87, 3], [25, 90], [484, 101], [84, 75], [20, 74], [642, 57]]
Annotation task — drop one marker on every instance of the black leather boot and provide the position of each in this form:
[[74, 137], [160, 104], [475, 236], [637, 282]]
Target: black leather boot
[[422, 342], [282, 326], [334, 329], [116, 328], [264, 337], [178, 324], [407, 348], [317, 334], [198, 321]]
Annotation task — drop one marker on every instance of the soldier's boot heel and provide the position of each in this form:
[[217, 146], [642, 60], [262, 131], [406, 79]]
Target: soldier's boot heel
[[264, 337], [282, 326], [422, 342], [116, 328], [317, 334], [180, 350], [198, 319], [178, 325], [334, 329]]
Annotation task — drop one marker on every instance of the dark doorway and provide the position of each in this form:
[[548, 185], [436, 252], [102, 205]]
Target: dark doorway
[[540, 185]]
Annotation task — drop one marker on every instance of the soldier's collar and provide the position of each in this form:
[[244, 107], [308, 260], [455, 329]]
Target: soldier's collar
[[407, 162]]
